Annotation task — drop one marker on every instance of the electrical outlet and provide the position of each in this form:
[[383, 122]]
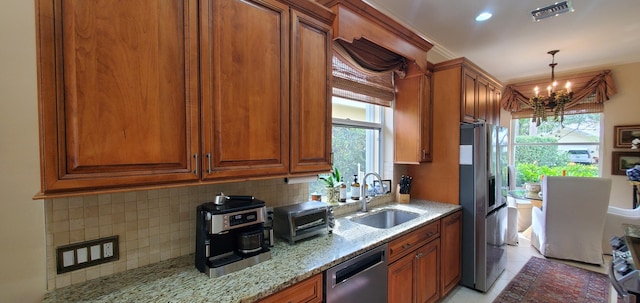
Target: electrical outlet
[[84, 254], [107, 249]]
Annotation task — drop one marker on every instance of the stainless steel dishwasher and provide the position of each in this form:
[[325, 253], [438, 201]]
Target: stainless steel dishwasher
[[361, 279]]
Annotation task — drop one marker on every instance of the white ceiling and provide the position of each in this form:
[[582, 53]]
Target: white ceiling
[[510, 46]]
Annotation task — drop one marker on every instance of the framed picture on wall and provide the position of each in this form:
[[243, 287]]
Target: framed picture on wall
[[621, 161], [624, 134], [386, 186]]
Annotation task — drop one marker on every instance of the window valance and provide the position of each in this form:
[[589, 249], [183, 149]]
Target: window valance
[[590, 91], [363, 71]]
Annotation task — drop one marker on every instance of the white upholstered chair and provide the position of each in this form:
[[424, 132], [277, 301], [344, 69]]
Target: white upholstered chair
[[613, 225], [512, 221], [571, 221]]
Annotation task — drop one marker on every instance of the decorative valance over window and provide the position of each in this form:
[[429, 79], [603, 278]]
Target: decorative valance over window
[[363, 71], [590, 90]]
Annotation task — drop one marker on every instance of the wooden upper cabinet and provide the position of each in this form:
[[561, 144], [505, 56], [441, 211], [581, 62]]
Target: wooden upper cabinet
[[482, 103], [469, 96], [493, 105], [245, 90], [147, 92], [426, 120], [477, 91], [311, 59], [118, 92], [412, 119], [497, 96]]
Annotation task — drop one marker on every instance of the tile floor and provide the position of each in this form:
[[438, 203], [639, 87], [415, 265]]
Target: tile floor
[[517, 257]]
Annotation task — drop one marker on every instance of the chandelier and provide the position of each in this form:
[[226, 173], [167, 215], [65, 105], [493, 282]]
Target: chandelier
[[554, 100]]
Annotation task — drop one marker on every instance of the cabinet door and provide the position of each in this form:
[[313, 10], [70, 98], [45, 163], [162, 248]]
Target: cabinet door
[[311, 58], [245, 76], [426, 117], [469, 96], [493, 114], [118, 92], [482, 103], [400, 279], [427, 272], [307, 291], [450, 237], [412, 120], [491, 105], [496, 110]]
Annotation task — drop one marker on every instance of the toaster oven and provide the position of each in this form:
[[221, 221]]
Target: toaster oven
[[300, 221]]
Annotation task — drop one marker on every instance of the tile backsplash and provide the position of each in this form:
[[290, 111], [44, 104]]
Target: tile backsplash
[[152, 225]]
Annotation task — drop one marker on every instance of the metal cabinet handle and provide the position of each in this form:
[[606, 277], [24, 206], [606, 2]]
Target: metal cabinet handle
[[424, 154], [195, 171], [419, 255], [406, 246], [209, 170]]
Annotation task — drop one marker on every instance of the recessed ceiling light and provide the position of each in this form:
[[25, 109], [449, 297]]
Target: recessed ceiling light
[[484, 16]]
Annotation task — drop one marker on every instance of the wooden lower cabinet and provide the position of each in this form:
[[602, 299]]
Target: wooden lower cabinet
[[307, 291], [415, 277], [400, 273], [425, 265], [450, 237]]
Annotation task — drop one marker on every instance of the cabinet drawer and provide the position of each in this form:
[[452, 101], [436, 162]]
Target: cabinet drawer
[[307, 291], [409, 242]]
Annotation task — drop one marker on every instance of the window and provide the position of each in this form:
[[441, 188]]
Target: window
[[356, 139], [552, 149]]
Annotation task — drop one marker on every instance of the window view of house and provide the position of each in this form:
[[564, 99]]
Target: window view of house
[[554, 149]]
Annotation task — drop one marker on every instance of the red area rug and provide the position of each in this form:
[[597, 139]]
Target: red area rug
[[542, 280]]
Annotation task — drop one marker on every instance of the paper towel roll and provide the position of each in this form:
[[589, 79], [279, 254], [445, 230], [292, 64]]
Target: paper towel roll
[[297, 180]]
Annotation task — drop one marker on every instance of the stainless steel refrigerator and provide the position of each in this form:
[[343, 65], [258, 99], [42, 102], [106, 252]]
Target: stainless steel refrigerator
[[483, 188]]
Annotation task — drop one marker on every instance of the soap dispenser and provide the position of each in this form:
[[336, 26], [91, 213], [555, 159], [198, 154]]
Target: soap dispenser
[[355, 188]]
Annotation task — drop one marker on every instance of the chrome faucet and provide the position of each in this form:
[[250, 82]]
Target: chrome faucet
[[363, 191]]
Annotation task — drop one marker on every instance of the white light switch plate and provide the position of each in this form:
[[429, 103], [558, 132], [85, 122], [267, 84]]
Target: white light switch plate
[[68, 258], [83, 255], [95, 252]]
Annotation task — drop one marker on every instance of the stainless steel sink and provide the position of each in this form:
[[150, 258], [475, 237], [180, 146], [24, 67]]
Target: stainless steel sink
[[386, 218]]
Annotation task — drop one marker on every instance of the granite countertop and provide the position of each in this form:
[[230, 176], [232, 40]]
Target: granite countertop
[[177, 280]]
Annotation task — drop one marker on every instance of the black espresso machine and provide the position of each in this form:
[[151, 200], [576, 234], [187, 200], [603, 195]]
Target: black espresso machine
[[230, 235]]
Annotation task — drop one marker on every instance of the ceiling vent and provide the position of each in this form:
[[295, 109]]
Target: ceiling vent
[[552, 10]]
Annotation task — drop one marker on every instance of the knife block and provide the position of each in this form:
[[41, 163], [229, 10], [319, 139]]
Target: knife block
[[402, 198]]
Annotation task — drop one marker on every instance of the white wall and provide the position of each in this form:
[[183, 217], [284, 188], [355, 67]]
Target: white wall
[[622, 109], [22, 252]]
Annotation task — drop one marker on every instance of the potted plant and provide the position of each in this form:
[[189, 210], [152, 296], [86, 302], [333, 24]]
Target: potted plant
[[332, 185]]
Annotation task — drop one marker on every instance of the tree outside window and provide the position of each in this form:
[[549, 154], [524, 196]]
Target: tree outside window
[[554, 149]]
